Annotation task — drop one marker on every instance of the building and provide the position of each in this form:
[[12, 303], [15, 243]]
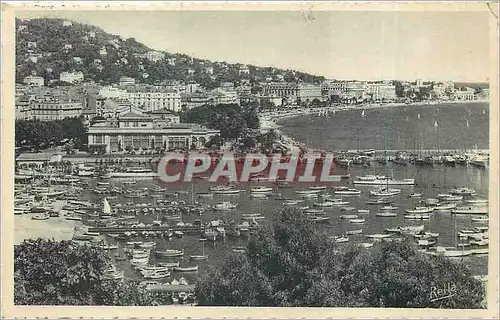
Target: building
[[192, 87], [153, 56], [292, 90], [465, 95], [244, 70], [196, 99], [36, 81], [77, 60], [150, 101], [103, 51], [419, 83], [222, 96], [68, 46], [135, 131], [31, 44], [381, 91], [55, 110], [71, 77], [127, 81], [67, 23], [112, 92]]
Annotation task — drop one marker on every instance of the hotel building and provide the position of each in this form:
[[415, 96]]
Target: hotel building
[[150, 101], [135, 131], [54, 110], [290, 90]]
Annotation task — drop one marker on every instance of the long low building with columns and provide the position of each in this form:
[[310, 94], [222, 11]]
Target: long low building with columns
[[134, 131]]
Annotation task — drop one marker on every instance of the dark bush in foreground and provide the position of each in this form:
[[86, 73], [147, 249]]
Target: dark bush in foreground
[[59, 273], [290, 263]]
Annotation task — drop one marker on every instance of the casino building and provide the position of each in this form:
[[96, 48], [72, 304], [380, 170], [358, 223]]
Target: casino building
[[135, 131]]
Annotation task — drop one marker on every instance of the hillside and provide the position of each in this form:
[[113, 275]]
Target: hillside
[[48, 47]]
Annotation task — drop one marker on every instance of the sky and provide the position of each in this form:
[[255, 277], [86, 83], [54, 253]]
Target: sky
[[363, 45]]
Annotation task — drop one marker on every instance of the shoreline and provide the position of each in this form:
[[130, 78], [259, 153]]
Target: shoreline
[[271, 120]]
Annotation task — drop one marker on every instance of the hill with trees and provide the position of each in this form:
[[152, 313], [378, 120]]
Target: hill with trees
[[47, 47]]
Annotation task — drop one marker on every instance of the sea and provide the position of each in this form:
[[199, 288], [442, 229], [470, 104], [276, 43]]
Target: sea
[[459, 126]]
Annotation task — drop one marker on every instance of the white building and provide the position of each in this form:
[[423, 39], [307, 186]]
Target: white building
[[55, 110], [221, 96], [110, 92], [136, 131], [34, 81], [151, 101], [77, 60], [244, 70], [103, 51], [67, 23], [67, 46], [154, 56], [71, 77], [31, 45], [381, 91]]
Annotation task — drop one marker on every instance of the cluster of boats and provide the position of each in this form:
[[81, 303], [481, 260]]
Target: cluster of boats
[[367, 157]]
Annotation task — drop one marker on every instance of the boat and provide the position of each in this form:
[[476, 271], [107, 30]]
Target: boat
[[470, 210], [198, 257], [349, 191], [480, 219], [353, 232], [134, 173], [156, 274], [415, 195], [227, 191], [389, 207], [444, 207], [374, 180], [386, 214], [185, 269], [379, 201], [307, 192], [348, 216], [317, 219], [357, 221], [363, 211], [260, 189], [170, 253], [224, 206], [168, 264], [481, 202], [205, 195], [420, 210], [417, 216], [378, 236], [331, 203], [384, 192], [316, 188], [73, 218], [40, 216], [463, 191], [341, 239]]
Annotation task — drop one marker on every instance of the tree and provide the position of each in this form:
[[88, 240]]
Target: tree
[[292, 263]]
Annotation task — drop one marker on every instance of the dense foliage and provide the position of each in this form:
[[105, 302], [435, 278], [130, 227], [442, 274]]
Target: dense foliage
[[121, 59], [59, 273], [41, 134], [232, 120], [291, 263]]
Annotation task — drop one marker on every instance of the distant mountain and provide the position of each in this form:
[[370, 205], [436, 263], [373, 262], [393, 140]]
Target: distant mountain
[[48, 47]]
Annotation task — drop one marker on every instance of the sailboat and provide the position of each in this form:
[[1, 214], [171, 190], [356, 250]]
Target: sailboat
[[363, 113], [107, 208], [203, 256]]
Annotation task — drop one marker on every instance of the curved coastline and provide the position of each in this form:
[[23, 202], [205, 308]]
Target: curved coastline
[[278, 119]]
